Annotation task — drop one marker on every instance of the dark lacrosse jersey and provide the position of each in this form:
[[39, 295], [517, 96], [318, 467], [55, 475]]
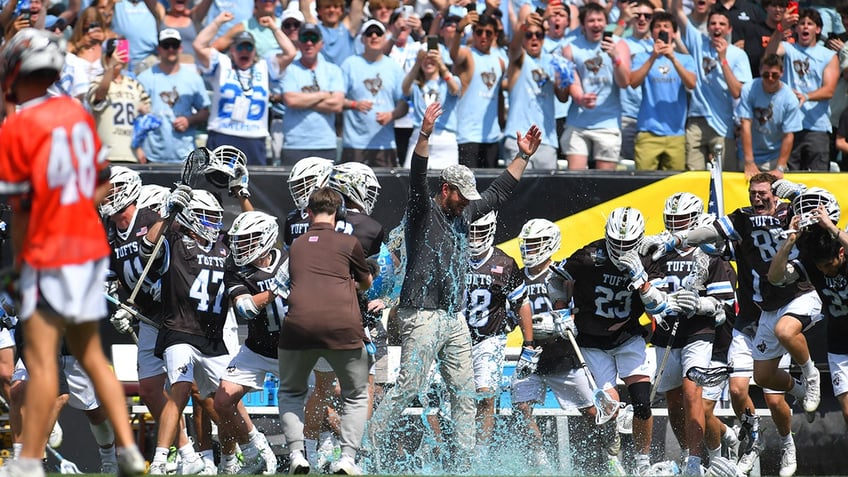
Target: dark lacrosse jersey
[[369, 232], [720, 283], [757, 240], [608, 310], [194, 293], [263, 332], [126, 264], [492, 286], [297, 223], [557, 354], [834, 296]]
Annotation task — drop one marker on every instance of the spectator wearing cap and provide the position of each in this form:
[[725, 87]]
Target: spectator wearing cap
[[84, 59], [431, 299], [313, 92], [480, 68], [181, 17], [240, 84], [338, 30], [116, 101], [373, 101], [264, 37], [135, 22], [178, 98], [290, 22]]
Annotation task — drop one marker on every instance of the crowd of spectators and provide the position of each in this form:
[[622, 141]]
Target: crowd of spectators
[[656, 84]]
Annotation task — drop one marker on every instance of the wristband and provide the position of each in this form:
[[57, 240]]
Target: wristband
[[447, 77], [529, 344], [724, 62], [622, 23], [781, 168], [425, 134], [806, 98], [524, 156], [617, 61], [353, 104]]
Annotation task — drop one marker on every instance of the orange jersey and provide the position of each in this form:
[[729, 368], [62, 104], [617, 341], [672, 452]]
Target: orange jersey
[[50, 151]]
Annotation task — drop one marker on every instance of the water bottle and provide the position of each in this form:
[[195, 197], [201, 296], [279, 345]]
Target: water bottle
[[271, 385]]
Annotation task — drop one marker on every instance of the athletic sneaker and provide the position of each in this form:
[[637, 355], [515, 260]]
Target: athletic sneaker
[[254, 465], [643, 465], [299, 464], [130, 462], [748, 459], [614, 467], [158, 468], [192, 465], [229, 468], [788, 462], [56, 436], [108, 467], [812, 397], [19, 468], [267, 455], [345, 466]]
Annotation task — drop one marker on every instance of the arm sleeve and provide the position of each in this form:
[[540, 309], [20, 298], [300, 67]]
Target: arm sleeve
[[491, 198]]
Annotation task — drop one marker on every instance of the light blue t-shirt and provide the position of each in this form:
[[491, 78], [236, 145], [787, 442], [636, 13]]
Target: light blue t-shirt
[[430, 92], [631, 99], [266, 42], [596, 75], [308, 128], [480, 100], [772, 115], [379, 82], [180, 94], [134, 22], [531, 99], [555, 47], [241, 10], [338, 43], [663, 108], [803, 70], [711, 99]]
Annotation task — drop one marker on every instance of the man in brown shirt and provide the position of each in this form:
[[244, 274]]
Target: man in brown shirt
[[323, 320]]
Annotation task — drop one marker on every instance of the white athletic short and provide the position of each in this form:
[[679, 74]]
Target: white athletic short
[[7, 338], [231, 335], [487, 358], [80, 387], [697, 353], [248, 368], [184, 363], [74, 291], [571, 389], [838, 372], [148, 364], [739, 356], [716, 393], [602, 144], [766, 345], [628, 359]]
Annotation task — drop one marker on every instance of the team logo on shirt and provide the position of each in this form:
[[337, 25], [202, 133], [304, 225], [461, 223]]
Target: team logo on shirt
[[489, 78], [170, 97], [836, 381], [664, 69], [594, 64], [802, 67], [311, 88], [708, 64], [762, 347], [763, 115], [540, 77], [373, 84], [431, 96]]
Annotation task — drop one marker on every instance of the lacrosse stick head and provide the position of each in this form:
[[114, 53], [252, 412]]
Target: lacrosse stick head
[[708, 377], [624, 420], [68, 467], [700, 272], [605, 405], [194, 166]]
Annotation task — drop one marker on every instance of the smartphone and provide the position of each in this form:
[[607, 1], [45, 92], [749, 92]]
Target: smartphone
[[792, 8], [407, 11], [122, 48], [432, 42], [540, 11], [23, 9], [471, 7], [663, 36], [608, 35]]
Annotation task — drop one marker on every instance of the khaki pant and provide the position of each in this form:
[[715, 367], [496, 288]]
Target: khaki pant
[[664, 153], [701, 140]]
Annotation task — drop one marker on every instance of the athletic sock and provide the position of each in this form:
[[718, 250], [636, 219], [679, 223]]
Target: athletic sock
[[808, 368]]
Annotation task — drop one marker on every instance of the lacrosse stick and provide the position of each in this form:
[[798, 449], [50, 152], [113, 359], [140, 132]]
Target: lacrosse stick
[[65, 466], [693, 282], [712, 376], [604, 403], [193, 168]]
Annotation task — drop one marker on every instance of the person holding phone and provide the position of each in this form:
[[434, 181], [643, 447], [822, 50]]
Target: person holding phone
[[663, 77], [756, 35], [641, 12]]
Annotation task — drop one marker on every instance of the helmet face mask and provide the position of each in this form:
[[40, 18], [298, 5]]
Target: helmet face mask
[[154, 197], [252, 236], [681, 211], [357, 182], [225, 163], [125, 190], [538, 241], [481, 234], [307, 175], [806, 203], [624, 232], [204, 216]]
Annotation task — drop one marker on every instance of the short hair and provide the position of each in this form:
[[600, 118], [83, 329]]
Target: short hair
[[772, 60], [819, 245], [779, 3], [393, 4], [716, 11], [663, 16], [590, 8], [643, 3], [762, 177], [324, 200], [812, 14], [329, 3], [488, 20]]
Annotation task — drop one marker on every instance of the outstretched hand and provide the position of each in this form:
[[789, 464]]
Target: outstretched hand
[[431, 114], [529, 142]]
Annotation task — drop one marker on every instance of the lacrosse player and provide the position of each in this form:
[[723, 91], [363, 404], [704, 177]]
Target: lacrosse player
[[306, 175]]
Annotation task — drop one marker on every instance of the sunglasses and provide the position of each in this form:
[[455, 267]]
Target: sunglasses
[[773, 75], [91, 26], [309, 38], [484, 32], [169, 45], [290, 25], [529, 35], [646, 16], [373, 31], [244, 47]]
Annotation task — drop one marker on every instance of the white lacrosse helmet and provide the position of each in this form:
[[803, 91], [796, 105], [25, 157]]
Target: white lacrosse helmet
[[681, 210], [721, 467], [31, 50], [224, 164], [307, 175], [358, 182], [538, 240], [252, 235], [624, 232], [204, 215], [481, 233], [154, 197], [126, 187], [808, 201]]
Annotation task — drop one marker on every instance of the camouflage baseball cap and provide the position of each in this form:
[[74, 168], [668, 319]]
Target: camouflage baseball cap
[[463, 179]]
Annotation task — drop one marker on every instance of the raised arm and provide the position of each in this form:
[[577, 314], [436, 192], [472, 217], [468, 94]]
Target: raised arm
[[158, 11], [353, 20], [203, 42], [285, 58]]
